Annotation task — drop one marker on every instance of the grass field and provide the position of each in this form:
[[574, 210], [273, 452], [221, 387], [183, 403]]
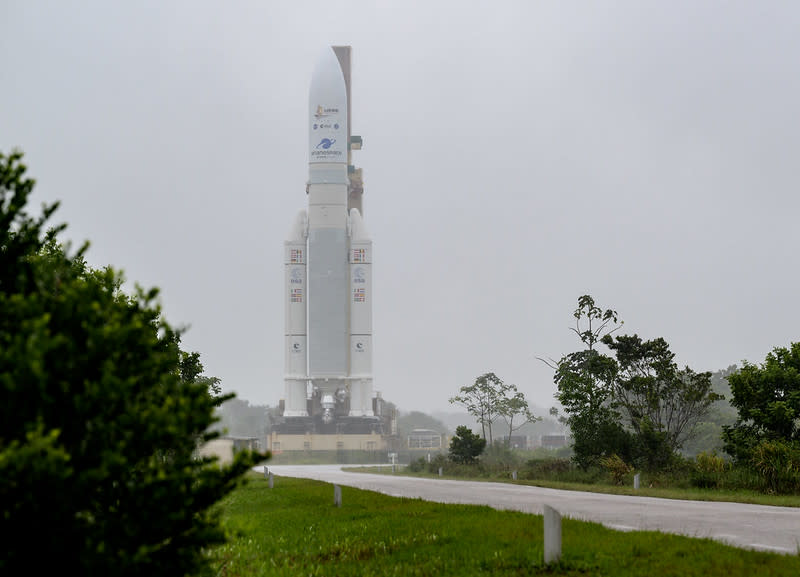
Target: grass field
[[690, 494], [294, 529]]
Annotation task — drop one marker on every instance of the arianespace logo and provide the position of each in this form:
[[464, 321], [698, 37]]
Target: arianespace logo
[[358, 275], [297, 276], [326, 143]]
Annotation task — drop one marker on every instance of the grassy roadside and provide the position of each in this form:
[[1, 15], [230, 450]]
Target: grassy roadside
[[294, 529], [742, 496]]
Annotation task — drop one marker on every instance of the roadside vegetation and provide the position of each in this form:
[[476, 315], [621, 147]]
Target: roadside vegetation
[[633, 413], [101, 414], [294, 529], [686, 480]]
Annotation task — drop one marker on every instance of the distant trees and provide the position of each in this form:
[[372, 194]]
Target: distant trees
[[482, 400], [489, 399], [637, 404], [515, 406], [465, 446], [100, 415], [237, 417], [407, 422]]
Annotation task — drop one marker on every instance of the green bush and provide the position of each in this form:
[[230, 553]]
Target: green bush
[[546, 468], [100, 416], [465, 446], [778, 463], [418, 465], [708, 471], [616, 467]]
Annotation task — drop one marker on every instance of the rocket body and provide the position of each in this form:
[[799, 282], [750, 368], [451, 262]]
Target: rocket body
[[328, 267]]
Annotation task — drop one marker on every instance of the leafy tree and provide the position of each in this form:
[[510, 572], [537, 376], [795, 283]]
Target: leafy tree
[[483, 400], [512, 406], [466, 446], [585, 383], [767, 398], [661, 403], [638, 405], [100, 415]]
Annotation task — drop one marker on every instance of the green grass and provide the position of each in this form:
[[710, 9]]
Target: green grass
[[294, 529], [689, 494]]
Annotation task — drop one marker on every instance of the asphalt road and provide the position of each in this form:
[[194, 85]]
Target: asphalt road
[[761, 527]]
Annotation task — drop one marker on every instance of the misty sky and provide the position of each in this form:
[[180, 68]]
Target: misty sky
[[516, 156]]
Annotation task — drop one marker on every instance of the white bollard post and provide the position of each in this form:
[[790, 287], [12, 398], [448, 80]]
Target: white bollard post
[[266, 471], [552, 535], [636, 481], [514, 475], [271, 481], [440, 471], [337, 495]]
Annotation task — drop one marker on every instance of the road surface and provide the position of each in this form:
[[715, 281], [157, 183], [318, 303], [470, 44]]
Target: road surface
[[761, 527]]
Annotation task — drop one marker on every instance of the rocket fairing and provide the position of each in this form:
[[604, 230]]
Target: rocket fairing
[[328, 259]]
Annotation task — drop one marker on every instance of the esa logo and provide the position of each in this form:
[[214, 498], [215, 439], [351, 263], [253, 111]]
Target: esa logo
[[359, 347]]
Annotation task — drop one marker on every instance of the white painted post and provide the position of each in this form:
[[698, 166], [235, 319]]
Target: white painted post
[[337, 495], [552, 535], [440, 471], [271, 481], [514, 475], [636, 481], [266, 471]]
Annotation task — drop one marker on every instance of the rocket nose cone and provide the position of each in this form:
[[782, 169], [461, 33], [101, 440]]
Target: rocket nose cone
[[327, 110], [328, 74]]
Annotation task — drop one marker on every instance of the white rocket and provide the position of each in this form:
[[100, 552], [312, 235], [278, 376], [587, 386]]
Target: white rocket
[[328, 261]]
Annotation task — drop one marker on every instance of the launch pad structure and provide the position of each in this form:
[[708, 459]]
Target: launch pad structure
[[329, 401]]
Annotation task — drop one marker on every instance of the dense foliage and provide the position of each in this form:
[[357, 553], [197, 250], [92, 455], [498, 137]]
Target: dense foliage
[[100, 415], [637, 405], [466, 446], [766, 434], [767, 398]]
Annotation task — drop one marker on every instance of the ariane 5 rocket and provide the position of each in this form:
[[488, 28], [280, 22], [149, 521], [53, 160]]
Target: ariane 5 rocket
[[328, 262]]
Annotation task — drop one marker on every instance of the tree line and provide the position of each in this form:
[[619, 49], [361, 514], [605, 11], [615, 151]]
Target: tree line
[[635, 403], [629, 406]]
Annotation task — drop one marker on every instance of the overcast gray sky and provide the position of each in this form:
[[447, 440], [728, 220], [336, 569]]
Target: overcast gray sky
[[516, 156]]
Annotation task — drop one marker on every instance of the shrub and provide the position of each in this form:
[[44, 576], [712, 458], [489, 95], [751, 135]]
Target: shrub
[[778, 463], [708, 471], [418, 465], [100, 416], [546, 468], [616, 467], [465, 446]]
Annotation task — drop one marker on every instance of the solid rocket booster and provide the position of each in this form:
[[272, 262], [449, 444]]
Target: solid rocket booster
[[328, 265]]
